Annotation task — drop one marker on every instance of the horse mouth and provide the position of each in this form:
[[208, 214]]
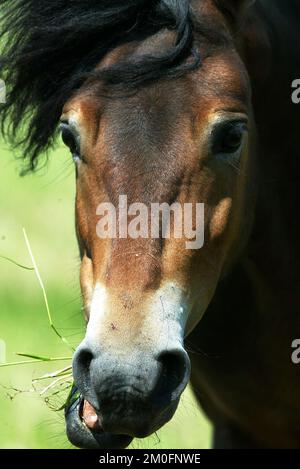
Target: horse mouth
[[84, 429]]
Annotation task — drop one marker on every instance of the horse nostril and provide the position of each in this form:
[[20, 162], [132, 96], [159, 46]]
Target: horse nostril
[[81, 368], [174, 376], [84, 358]]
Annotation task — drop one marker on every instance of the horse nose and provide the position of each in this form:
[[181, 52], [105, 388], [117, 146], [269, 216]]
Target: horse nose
[[131, 391]]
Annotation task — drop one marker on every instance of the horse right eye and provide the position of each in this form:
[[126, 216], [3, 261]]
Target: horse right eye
[[228, 138]]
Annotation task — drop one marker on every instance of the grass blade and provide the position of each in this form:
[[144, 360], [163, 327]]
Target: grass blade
[[16, 263], [63, 339], [29, 362], [64, 372]]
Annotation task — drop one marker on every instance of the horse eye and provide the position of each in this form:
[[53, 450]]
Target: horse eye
[[69, 139], [229, 138]]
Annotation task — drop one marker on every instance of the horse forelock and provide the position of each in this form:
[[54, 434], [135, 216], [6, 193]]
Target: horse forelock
[[51, 47]]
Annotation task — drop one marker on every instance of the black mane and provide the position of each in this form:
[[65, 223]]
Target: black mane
[[49, 47]]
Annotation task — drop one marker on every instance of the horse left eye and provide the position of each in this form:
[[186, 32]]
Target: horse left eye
[[69, 139], [229, 138]]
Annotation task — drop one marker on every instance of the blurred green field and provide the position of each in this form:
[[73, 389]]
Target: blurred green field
[[43, 204]]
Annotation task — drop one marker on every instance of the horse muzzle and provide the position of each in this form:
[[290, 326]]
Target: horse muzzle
[[123, 396]]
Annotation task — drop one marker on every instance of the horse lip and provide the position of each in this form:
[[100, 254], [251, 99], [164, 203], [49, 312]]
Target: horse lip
[[82, 437], [89, 417]]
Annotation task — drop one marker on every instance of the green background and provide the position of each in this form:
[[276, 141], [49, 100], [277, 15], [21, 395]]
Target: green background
[[43, 203]]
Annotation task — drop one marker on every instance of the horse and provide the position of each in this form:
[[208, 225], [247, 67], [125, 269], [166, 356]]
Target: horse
[[172, 101]]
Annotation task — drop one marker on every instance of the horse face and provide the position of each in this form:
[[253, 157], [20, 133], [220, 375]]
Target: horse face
[[184, 141]]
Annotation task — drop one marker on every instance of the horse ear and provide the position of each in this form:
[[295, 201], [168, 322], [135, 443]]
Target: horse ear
[[235, 7], [243, 3]]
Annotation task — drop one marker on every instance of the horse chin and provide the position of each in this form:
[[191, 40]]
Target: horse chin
[[83, 437]]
